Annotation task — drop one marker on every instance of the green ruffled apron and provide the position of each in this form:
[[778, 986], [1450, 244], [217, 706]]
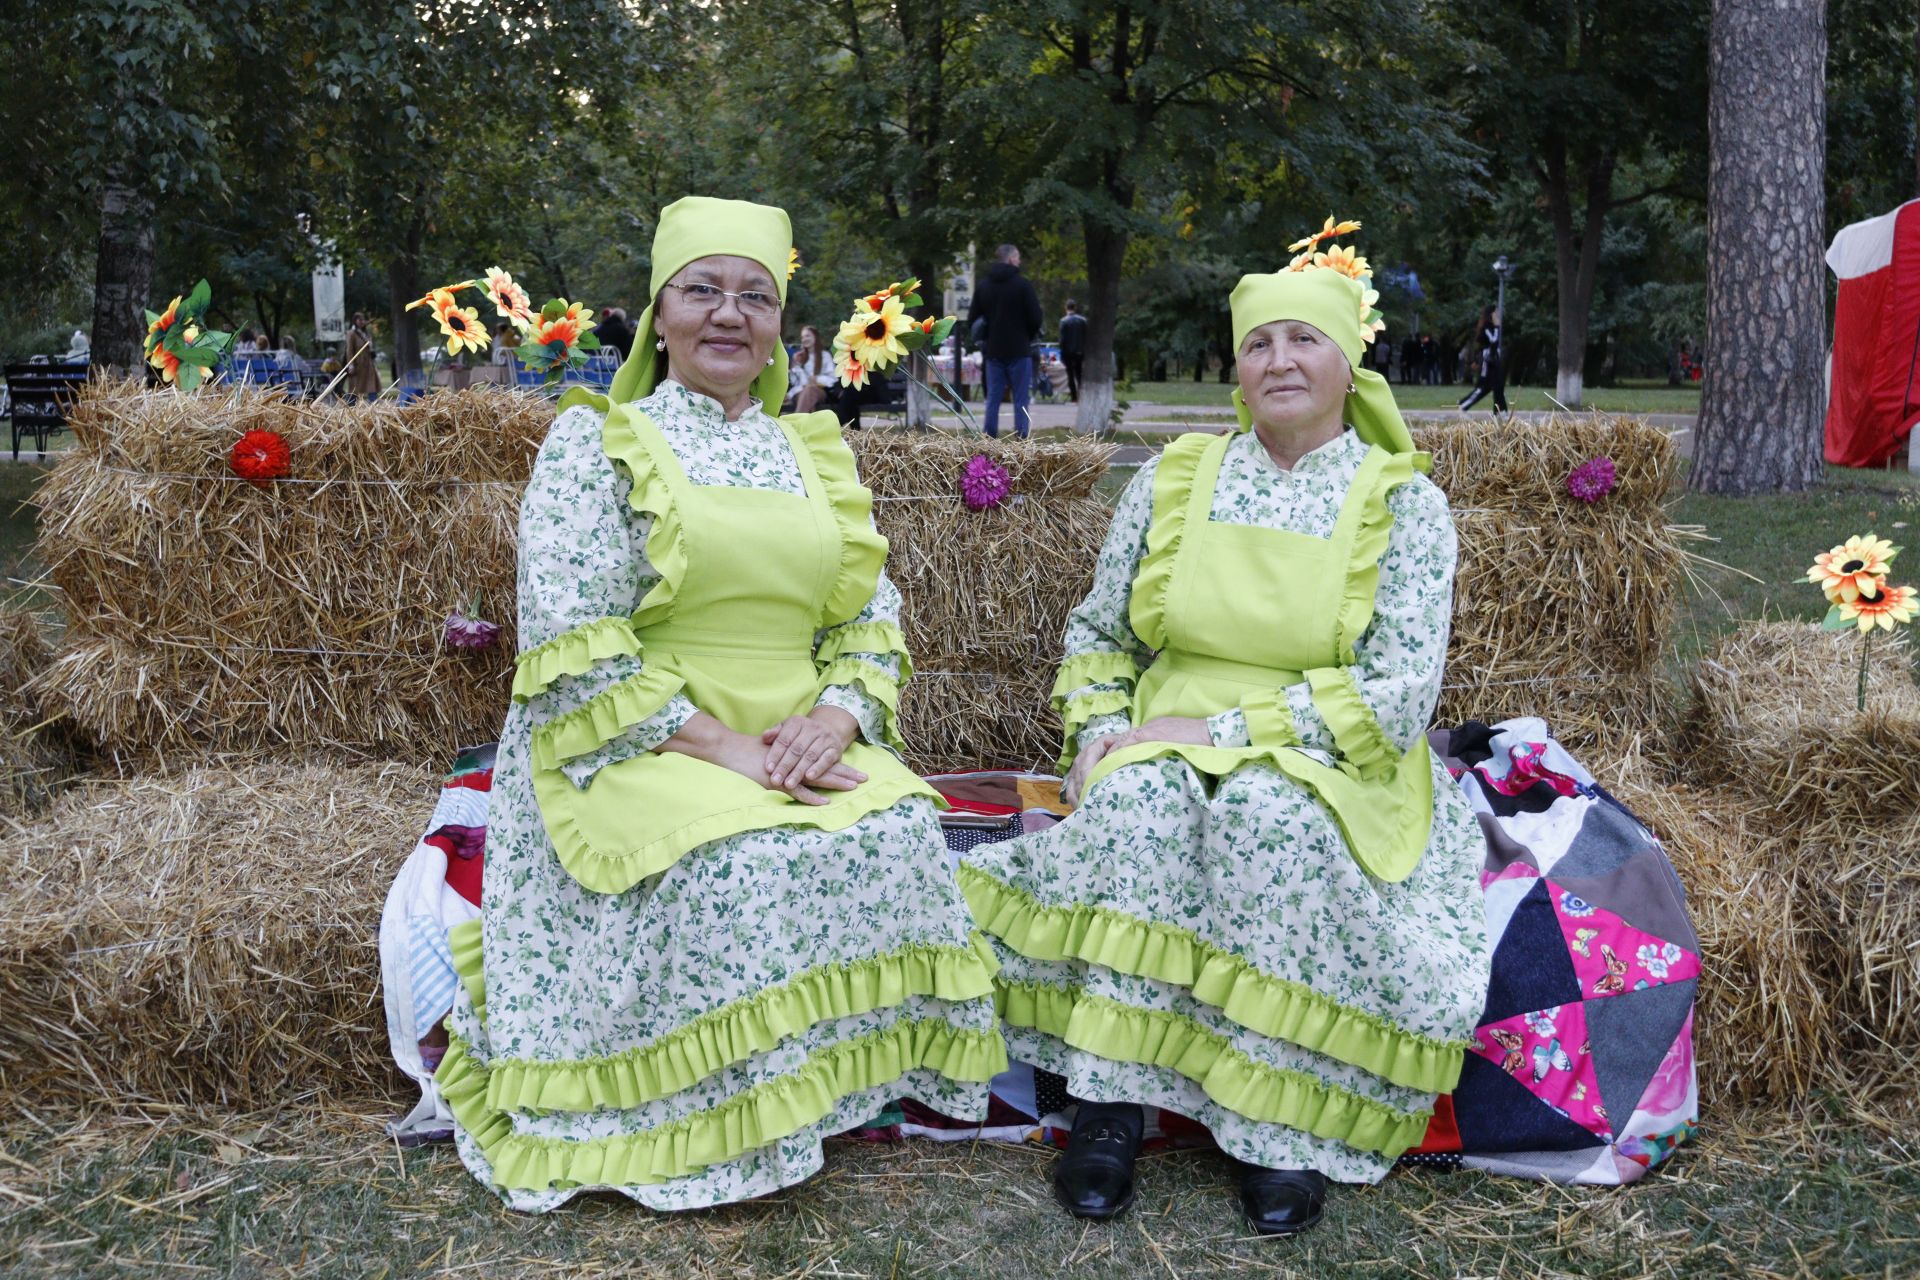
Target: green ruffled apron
[[749, 578], [1239, 612]]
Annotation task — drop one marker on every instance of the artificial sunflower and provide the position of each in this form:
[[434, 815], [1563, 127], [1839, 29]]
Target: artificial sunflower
[[509, 298], [160, 324], [463, 329], [1853, 568], [1346, 260], [873, 337], [793, 262], [1328, 232], [1880, 606]]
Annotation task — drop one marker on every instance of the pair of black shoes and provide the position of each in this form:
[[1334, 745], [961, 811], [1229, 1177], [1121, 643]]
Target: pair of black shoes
[[1094, 1177]]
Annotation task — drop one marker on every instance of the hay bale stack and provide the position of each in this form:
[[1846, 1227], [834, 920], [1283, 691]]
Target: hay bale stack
[[204, 938], [1558, 605], [1776, 713], [205, 614], [987, 593], [1766, 1022], [38, 753]]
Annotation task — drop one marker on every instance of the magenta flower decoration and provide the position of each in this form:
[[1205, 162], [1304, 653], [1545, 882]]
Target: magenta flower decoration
[[1592, 480], [984, 483], [463, 632]]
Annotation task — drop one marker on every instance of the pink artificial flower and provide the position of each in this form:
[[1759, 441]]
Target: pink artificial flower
[[984, 483], [1592, 480], [463, 632]]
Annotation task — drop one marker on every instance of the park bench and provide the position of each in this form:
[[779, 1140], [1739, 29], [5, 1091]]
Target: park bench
[[38, 395]]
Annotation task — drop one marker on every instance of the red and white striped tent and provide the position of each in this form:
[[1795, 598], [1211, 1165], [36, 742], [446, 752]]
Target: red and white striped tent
[[1874, 387]]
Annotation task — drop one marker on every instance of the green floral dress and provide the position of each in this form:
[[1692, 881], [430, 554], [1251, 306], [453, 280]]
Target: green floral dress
[[690, 1038], [1210, 944]]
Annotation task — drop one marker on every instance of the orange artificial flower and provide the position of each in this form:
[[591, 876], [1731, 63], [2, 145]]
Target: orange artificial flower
[[509, 298], [462, 327], [1347, 261], [852, 372], [1881, 607], [442, 298], [1853, 568]]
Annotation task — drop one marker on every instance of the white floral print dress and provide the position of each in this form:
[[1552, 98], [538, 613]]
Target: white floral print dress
[[690, 1040], [1210, 944]]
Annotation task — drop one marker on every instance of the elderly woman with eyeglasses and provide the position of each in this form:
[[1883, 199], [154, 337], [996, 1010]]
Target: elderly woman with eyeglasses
[[718, 923]]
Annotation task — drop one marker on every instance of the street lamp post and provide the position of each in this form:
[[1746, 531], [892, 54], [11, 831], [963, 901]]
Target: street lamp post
[[1502, 268]]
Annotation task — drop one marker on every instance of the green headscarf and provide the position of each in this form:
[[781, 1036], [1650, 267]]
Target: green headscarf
[[1330, 302], [691, 228]]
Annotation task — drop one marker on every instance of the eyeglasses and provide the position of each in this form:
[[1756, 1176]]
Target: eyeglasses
[[706, 297]]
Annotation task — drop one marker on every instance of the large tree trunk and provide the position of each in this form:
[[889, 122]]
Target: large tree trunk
[[1761, 411], [123, 273], [1106, 250], [1577, 257]]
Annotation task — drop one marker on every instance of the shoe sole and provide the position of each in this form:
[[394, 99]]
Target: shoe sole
[[1096, 1216], [1306, 1226]]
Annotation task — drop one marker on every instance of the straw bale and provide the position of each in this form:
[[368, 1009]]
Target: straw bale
[[986, 593], [1560, 607], [38, 753], [208, 615], [208, 937], [1776, 713]]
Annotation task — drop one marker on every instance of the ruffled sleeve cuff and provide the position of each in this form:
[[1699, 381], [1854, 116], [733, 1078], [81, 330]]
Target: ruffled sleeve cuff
[[1357, 734], [605, 717], [572, 653], [639, 740], [863, 674], [1269, 719]]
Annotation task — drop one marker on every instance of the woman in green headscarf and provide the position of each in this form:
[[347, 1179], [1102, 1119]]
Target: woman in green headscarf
[[717, 922], [1265, 913]]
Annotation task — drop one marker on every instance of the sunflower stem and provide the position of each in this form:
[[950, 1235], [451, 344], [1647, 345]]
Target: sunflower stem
[[1866, 642]]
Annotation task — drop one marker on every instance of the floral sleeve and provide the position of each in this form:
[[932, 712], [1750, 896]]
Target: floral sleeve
[[1103, 657], [864, 662], [591, 697]]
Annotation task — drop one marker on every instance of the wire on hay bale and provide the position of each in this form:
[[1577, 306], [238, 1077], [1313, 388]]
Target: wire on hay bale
[[1561, 607], [208, 937], [1777, 715], [206, 614]]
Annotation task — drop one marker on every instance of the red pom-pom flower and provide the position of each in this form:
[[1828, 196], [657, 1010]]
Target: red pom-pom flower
[[260, 457]]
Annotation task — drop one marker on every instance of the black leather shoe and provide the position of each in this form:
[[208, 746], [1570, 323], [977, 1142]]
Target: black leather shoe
[[1282, 1202], [1094, 1176]]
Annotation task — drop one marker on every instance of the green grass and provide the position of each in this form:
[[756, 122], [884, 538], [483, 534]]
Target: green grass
[[284, 1196], [1658, 398]]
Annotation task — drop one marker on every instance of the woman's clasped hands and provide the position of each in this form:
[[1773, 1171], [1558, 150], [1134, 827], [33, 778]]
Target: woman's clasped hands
[[800, 755], [1184, 729]]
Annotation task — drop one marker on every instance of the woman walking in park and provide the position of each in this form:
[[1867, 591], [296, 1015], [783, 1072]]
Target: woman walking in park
[[717, 922], [1265, 914], [1493, 363]]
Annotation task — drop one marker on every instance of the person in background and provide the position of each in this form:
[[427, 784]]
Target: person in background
[[1011, 309], [504, 341], [79, 346], [809, 372], [356, 353], [1493, 364], [615, 330], [1073, 346], [1409, 360], [1430, 369]]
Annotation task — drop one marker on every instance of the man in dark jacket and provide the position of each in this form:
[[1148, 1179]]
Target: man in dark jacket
[[1006, 300], [1073, 346]]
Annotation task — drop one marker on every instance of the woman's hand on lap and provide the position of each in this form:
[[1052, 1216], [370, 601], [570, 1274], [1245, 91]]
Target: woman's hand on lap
[[1188, 730], [803, 750]]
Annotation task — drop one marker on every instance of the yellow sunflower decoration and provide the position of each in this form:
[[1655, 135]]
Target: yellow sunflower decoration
[[1853, 577]]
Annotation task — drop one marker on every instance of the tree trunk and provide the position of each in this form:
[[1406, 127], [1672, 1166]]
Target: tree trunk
[[1106, 249], [123, 273], [1577, 259], [1761, 409]]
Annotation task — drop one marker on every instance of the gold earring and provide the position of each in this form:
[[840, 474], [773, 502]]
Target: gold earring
[[1351, 389]]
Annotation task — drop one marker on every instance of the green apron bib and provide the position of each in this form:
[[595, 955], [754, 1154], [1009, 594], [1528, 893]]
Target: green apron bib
[[760, 569], [1238, 612]]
